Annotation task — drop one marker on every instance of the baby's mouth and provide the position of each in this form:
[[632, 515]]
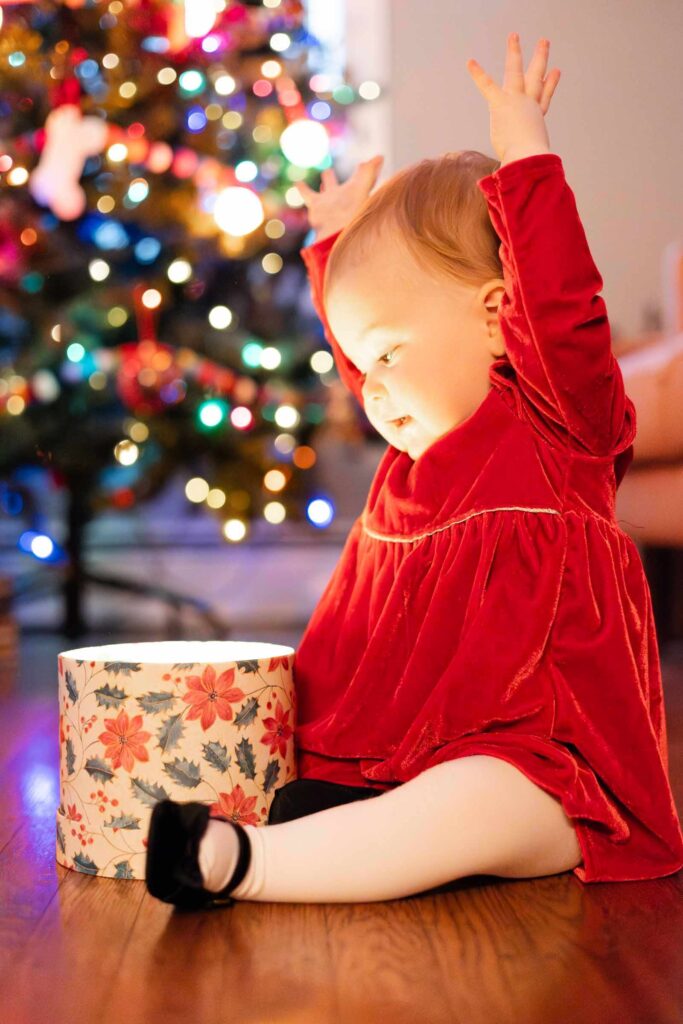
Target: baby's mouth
[[401, 421]]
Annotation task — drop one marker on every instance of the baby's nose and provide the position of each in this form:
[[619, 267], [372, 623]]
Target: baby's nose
[[373, 388]]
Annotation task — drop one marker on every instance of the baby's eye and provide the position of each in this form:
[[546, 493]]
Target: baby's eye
[[390, 353]]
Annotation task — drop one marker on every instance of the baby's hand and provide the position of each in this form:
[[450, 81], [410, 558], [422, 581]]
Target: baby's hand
[[517, 110], [335, 205]]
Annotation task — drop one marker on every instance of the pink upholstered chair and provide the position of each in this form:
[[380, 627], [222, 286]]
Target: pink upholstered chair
[[650, 499]]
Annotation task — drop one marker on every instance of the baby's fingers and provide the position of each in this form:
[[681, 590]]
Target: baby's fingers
[[484, 83], [549, 87], [306, 192], [370, 169], [328, 178]]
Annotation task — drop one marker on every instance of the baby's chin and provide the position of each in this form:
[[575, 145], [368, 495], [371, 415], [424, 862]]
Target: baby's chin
[[411, 440]]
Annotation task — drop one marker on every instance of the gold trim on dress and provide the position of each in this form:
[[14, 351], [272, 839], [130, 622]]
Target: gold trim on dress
[[461, 519]]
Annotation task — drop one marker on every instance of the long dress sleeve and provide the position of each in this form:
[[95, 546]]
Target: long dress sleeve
[[554, 322], [315, 260]]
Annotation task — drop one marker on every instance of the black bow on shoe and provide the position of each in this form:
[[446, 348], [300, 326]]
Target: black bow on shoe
[[172, 872]]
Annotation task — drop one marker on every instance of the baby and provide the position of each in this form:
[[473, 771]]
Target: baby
[[478, 688]]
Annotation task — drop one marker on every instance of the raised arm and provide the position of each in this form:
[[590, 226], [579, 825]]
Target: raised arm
[[554, 322], [315, 259]]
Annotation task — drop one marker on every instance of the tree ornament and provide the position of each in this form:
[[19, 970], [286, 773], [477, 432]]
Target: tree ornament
[[70, 138], [149, 379]]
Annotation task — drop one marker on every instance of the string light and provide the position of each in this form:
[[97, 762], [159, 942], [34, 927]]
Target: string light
[[179, 271], [151, 298], [224, 85], [117, 152], [17, 176], [138, 431], [216, 498], [117, 316], [274, 480], [138, 190], [99, 270], [220, 317], [234, 530], [191, 82], [274, 512], [320, 512], [286, 416], [241, 417], [270, 358], [280, 41], [126, 452], [196, 490], [322, 361]]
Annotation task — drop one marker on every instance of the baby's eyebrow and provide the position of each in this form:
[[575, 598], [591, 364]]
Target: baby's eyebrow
[[371, 329]]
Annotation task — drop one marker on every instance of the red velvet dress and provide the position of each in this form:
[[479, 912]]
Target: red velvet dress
[[486, 600]]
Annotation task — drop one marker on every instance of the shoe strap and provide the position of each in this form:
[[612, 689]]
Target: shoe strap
[[243, 860]]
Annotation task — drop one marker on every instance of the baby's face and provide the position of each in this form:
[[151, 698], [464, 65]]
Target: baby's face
[[423, 343]]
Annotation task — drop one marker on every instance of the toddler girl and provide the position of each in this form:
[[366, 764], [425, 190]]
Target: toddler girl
[[483, 661]]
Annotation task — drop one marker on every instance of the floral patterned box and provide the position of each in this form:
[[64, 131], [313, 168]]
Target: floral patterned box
[[212, 721]]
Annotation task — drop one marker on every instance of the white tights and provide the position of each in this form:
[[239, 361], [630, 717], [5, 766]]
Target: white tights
[[471, 815]]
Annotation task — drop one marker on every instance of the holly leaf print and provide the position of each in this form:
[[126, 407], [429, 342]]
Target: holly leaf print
[[156, 701], [217, 755], [71, 687], [186, 773], [245, 758], [110, 696], [123, 869], [171, 732], [99, 769], [60, 838], [271, 775], [83, 863], [148, 793], [70, 757], [248, 666], [247, 713], [123, 821], [122, 668]]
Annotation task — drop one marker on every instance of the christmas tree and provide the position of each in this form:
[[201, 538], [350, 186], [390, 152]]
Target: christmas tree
[[150, 280]]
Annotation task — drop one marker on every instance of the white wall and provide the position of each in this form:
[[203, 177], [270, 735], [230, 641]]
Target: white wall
[[615, 118]]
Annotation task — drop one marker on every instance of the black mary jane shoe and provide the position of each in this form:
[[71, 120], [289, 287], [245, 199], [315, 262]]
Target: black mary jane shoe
[[172, 871]]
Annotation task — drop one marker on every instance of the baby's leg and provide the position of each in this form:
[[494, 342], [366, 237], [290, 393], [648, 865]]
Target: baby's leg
[[472, 815]]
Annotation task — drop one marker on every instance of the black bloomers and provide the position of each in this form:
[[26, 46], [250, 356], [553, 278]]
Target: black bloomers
[[300, 797]]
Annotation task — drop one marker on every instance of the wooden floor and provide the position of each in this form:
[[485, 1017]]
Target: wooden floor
[[77, 948]]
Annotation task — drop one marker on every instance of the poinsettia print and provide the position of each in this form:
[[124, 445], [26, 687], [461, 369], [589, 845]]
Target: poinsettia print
[[278, 730], [282, 659], [211, 696], [236, 806], [124, 741]]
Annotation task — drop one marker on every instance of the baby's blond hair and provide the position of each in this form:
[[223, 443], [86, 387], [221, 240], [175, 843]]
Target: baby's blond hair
[[437, 210]]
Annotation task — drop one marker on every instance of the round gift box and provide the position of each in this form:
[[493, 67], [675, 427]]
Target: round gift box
[[211, 721]]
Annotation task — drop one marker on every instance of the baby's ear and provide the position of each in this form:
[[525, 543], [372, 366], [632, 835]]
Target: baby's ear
[[492, 295]]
